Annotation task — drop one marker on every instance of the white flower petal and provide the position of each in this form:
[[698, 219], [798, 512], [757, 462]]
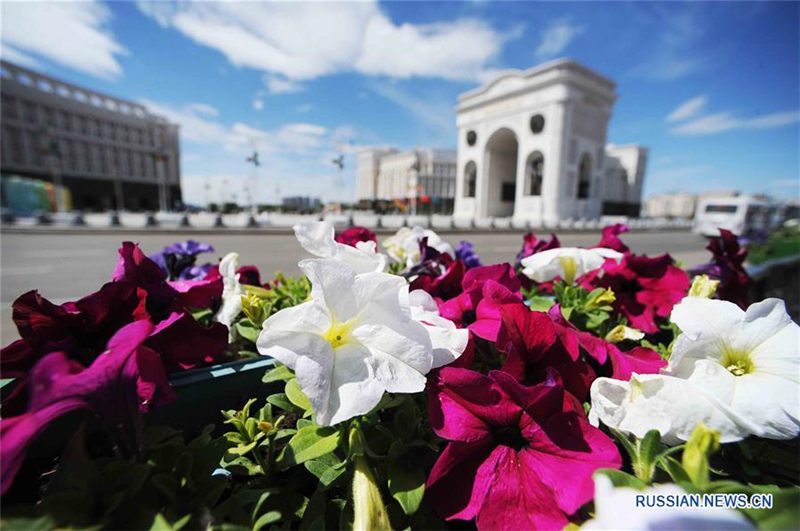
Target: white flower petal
[[310, 316], [697, 316], [773, 402], [316, 237], [547, 265], [406, 341], [232, 291], [355, 389], [672, 406], [288, 346], [332, 285]]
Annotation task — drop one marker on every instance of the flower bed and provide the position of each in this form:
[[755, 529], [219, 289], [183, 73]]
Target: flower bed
[[410, 388]]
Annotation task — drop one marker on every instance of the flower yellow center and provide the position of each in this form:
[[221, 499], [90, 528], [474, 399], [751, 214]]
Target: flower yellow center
[[569, 267], [339, 334], [737, 362]]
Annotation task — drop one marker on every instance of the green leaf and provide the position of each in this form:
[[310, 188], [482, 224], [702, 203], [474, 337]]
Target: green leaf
[[267, 518], [621, 479], [279, 373], [308, 443], [160, 523], [246, 330], [672, 466], [327, 468], [296, 395], [647, 454], [538, 303], [283, 402], [407, 486]]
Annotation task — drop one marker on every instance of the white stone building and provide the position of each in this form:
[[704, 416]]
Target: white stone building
[[532, 146], [388, 174], [680, 204]]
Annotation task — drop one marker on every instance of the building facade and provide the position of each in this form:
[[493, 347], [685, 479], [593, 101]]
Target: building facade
[[416, 177], [110, 153], [532, 146], [680, 204]]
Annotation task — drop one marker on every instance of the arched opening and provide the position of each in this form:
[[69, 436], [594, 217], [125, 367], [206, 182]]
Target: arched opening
[[584, 176], [470, 179], [501, 173], [534, 173]]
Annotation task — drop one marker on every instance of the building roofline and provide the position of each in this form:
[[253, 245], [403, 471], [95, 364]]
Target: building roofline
[[56, 87], [538, 70]]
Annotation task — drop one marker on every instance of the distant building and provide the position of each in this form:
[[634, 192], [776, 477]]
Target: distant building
[[108, 152], [415, 177], [301, 203], [532, 146], [680, 204]]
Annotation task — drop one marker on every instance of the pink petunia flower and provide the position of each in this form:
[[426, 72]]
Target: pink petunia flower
[[125, 380], [645, 288], [353, 235], [545, 347], [484, 290], [519, 457]]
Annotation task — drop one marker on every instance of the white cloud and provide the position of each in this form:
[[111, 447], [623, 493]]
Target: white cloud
[[301, 41], [281, 85], [556, 38], [675, 31], [8, 53], [437, 115], [687, 109], [198, 125], [306, 107], [258, 104], [726, 121], [73, 34]]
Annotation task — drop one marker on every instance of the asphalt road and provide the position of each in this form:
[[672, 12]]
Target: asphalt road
[[65, 267]]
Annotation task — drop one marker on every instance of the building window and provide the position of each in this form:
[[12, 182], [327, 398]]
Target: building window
[[470, 179], [472, 137], [535, 171], [584, 176]]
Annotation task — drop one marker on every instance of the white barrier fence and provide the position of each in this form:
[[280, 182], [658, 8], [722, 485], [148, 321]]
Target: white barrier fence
[[244, 220]]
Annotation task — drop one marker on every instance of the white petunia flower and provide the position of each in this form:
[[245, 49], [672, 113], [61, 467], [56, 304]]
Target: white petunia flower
[[232, 290], [317, 237], [351, 342], [566, 262], [736, 371], [403, 247], [616, 508], [448, 341]]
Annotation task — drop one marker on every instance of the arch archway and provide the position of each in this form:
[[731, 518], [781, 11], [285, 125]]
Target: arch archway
[[501, 173]]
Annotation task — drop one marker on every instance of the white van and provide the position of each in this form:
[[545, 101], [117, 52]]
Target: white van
[[741, 215]]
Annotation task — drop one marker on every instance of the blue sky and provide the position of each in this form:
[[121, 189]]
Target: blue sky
[[711, 88]]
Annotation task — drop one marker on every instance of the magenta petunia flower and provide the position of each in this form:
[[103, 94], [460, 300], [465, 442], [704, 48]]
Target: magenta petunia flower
[[484, 290], [645, 288], [610, 239], [80, 329], [353, 235], [519, 457], [125, 380], [443, 280], [545, 347], [727, 266], [532, 245], [163, 297]]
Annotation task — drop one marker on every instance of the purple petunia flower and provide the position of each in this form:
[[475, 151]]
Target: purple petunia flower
[[178, 259], [466, 252]]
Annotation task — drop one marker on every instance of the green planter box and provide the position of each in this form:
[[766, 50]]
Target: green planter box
[[204, 392]]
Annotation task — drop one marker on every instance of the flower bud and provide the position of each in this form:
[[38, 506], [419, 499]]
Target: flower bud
[[368, 508], [622, 332], [702, 286]]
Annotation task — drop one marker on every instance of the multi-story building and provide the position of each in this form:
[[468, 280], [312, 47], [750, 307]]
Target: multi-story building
[[680, 204], [415, 177], [109, 153], [532, 146], [301, 203]]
